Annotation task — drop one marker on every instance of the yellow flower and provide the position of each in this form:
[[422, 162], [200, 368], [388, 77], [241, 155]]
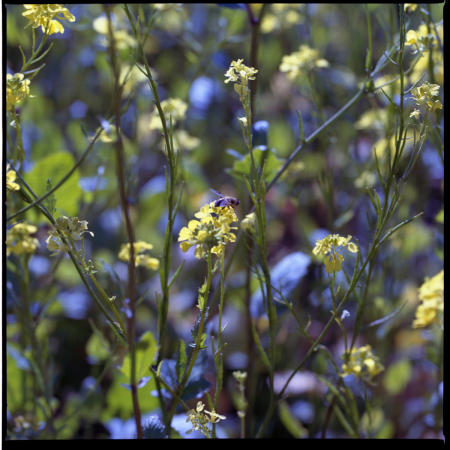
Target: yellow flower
[[240, 74], [427, 95], [11, 179], [185, 140], [17, 90], [44, 16], [140, 256], [415, 114], [248, 223], [301, 61], [200, 418], [431, 294], [70, 227], [19, 240], [211, 232], [121, 37], [410, 7], [329, 245], [421, 66], [280, 16], [172, 107], [421, 40], [361, 362]]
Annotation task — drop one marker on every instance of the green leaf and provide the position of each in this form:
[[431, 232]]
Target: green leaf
[[397, 376], [96, 348], [118, 399], [54, 167], [292, 424], [271, 164], [146, 350]]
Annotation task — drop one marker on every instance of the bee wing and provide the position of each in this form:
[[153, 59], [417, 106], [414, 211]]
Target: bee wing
[[215, 192]]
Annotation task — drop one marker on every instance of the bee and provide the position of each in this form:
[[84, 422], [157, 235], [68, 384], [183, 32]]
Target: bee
[[225, 200]]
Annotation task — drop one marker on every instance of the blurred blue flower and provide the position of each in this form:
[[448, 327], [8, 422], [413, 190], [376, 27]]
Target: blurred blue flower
[[39, 265], [75, 303], [78, 109], [201, 94]]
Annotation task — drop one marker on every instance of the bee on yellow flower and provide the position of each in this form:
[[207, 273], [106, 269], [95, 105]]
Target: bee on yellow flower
[[211, 232]]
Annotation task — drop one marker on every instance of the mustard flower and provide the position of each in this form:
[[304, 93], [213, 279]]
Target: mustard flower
[[71, 228], [122, 39], [330, 245], [301, 61], [280, 16], [11, 179], [17, 90], [19, 240], [211, 232], [240, 75], [172, 107], [44, 16], [410, 7], [431, 295], [415, 114], [419, 39], [141, 258], [422, 64], [248, 223], [362, 363], [200, 418], [427, 95]]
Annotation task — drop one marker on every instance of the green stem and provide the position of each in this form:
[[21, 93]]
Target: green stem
[[128, 224], [197, 344]]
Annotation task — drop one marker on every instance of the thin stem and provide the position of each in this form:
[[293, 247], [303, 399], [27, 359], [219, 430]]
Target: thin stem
[[129, 226], [197, 344]]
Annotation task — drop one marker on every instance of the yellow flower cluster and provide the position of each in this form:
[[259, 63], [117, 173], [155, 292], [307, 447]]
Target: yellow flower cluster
[[19, 240], [11, 179], [301, 61], [142, 259], [361, 362], [122, 39], [17, 90], [248, 223], [427, 95], [71, 227], [431, 294], [211, 233], [44, 16], [200, 418], [420, 40], [437, 57], [172, 107], [280, 16], [410, 7], [331, 244], [240, 74]]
